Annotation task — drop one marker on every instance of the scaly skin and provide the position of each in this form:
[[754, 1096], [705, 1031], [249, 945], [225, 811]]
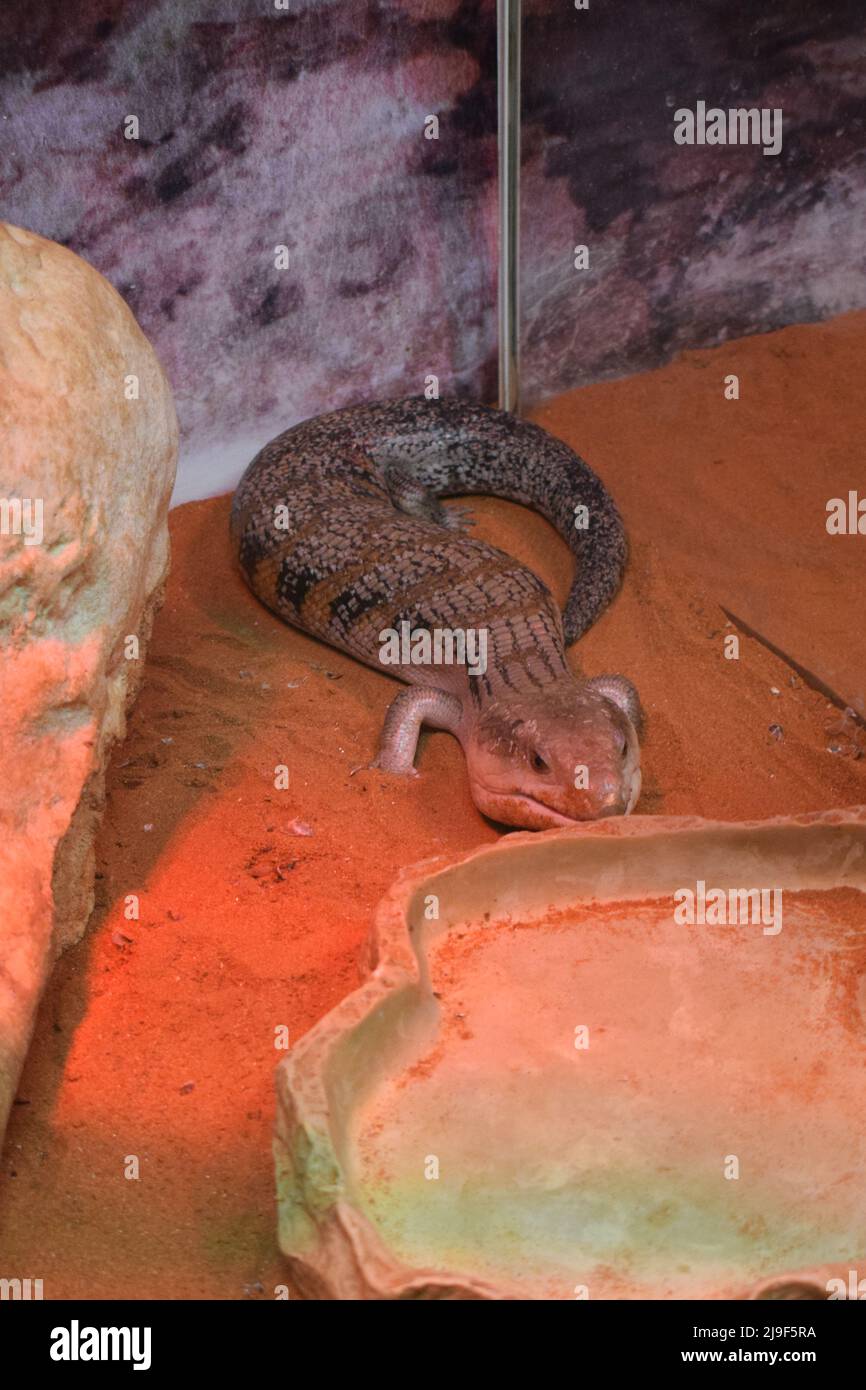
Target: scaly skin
[[339, 530]]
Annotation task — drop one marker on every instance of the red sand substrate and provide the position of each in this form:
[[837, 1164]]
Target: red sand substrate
[[156, 1036]]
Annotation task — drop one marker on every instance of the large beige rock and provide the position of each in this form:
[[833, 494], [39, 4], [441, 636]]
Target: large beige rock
[[89, 447]]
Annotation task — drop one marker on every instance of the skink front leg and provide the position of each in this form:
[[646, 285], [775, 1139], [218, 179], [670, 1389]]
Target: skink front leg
[[413, 707], [413, 498], [620, 690]]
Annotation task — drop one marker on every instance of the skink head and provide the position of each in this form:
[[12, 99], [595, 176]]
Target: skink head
[[566, 753]]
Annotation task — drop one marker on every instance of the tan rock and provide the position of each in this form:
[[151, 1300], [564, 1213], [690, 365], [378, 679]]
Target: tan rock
[[89, 449]]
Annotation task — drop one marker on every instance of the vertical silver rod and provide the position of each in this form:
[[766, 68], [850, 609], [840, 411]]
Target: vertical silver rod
[[508, 33]]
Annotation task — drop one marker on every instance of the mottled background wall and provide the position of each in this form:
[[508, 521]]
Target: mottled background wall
[[304, 127], [689, 245]]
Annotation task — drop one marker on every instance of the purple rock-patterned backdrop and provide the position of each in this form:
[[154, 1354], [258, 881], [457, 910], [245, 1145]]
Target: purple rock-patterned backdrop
[[688, 245], [281, 123]]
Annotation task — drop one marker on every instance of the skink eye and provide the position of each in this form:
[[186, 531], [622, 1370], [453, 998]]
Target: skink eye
[[538, 763]]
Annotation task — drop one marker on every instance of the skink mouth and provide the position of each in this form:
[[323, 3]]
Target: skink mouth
[[535, 810], [556, 818], [498, 802]]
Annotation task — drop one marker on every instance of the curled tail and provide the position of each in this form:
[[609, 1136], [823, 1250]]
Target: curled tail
[[455, 447]]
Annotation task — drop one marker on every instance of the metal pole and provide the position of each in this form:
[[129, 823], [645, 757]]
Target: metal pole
[[508, 33]]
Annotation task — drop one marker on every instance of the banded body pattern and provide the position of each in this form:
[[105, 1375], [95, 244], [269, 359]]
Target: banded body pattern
[[339, 530]]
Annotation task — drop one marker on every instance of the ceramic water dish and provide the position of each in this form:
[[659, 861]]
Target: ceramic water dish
[[621, 1061]]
